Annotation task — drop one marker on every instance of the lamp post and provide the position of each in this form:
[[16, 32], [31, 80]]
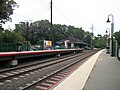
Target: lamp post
[[116, 48], [108, 31], [112, 30], [108, 37]]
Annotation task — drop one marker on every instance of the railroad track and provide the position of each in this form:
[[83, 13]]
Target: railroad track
[[27, 77]]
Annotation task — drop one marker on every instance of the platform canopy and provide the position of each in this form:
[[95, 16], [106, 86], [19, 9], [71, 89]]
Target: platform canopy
[[74, 41]]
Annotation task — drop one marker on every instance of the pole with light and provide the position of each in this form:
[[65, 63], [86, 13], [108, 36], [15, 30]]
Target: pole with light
[[112, 31], [108, 37]]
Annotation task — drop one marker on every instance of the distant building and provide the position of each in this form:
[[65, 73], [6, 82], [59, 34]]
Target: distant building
[[72, 42]]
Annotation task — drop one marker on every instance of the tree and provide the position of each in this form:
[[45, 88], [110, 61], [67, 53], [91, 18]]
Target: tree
[[21, 29], [87, 38], [6, 9], [100, 41], [40, 30], [9, 36], [117, 37], [79, 33]]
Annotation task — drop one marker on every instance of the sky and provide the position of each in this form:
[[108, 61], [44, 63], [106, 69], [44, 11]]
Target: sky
[[78, 13]]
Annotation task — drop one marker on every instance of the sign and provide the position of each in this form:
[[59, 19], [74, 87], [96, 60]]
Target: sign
[[66, 43], [47, 44]]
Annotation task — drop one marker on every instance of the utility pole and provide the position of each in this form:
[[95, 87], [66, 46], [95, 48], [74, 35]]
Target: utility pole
[[92, 28], [27, 27], [51, 12], [51, 24], [27, 33], [112, 32]]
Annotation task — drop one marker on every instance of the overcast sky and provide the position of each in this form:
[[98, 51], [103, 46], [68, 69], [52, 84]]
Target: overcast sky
[[78, 13]]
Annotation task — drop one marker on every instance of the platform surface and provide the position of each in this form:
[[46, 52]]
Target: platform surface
[[78, 78], [100, 72], [105, 75]]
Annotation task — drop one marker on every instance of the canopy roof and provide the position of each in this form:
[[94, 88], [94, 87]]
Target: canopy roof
[[73, 40]]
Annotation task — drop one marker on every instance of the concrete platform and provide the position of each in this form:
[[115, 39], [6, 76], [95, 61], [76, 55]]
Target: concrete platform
[[100, 72], [77, 79], [105, 75]]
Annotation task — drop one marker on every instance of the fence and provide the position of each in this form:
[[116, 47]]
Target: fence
[[13, 46], [8, 47]]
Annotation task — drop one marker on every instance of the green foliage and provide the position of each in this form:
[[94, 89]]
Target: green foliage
[[87, 38], [100, 41], [117, 37], [10, 36], [6, 9], [5, 47], [21, 29], [26, 46], [40, 30]]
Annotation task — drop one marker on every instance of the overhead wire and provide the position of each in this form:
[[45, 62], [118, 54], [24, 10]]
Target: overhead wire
[[43, 10], [41, 2], [40, 11], [34, 3], [19, 15], [62, 14]]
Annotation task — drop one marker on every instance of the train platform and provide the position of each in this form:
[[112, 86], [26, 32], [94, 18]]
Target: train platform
[[100, 72]]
